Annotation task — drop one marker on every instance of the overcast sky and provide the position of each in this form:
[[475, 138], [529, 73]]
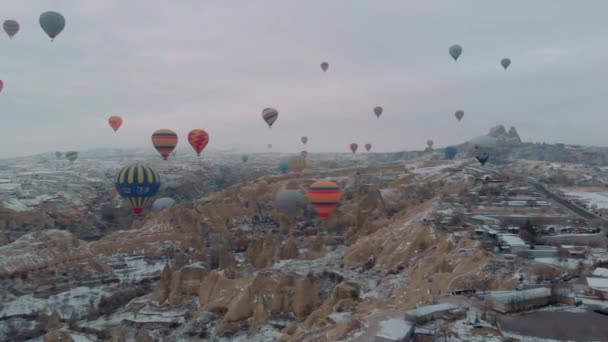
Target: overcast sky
[[216, 64]]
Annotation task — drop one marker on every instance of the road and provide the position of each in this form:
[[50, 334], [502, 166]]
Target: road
[[580, 211]]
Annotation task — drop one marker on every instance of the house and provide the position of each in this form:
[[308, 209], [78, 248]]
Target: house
[[429, 313], [513, 230], [513, 243], [598, 286], [579, 252], [513, 301], [480, 219], [600, 272], [395, 330]]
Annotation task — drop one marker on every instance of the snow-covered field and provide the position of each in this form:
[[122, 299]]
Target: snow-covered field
[[599, 198]]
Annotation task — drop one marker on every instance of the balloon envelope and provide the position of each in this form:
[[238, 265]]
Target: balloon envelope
[[455, 51], [505, 62], [71, 156], [198, 139], [11, 27], [368, 147], [137, 183], [324, 197], [270, 115], [459, 114], [353, 147], [290, 201], [115, 122], [450, 152], [52, 23], [430, 143], [297, 164], [324, 66], [283, 166], [269, 146], [58, 154], [1, 85], [244, 158], [164, 141], [304, 139], [378, 111], [162, 204]]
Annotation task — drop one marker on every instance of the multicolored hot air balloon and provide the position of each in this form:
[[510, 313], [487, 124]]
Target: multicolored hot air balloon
[[324, 66], [137, 183], [353, 147], [505, 62], [324, 196], [368, 147], [270, 115], [244, 158], [164, 141], [297, 164], [378, 111], [304, 154], [304, 140], [455, 51], [289, 202], [459, 114], [71, 156], [52, 23], [11, 27], [450, 152], [283, 166], [115, 122], [198, 139]]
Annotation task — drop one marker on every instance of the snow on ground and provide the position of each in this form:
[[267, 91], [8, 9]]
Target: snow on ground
[[76, 300], [136, 268], [264, 334], [26, 204], [569, 263], [599, 198], [394, 329]]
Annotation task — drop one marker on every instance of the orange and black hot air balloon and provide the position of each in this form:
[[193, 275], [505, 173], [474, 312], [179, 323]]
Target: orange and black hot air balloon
[[164, 141], [198, 138], [324, 196], [115, 122]]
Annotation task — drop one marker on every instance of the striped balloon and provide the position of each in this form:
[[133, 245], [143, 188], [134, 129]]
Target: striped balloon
[[11, 27], [198, 139], [270, 115], [324, 197], [297, 164], [115, 122], [137, 183], [71, 156], [164, 141]]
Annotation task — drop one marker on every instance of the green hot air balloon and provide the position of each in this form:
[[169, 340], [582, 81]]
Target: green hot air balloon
[[455, 51], [52, 23], [289, 202], [71, 156]]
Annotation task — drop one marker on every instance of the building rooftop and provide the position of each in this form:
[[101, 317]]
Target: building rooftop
[[600, 272], [598, 283], [430, 309], [394, 329], [513, 240], [507, 296]]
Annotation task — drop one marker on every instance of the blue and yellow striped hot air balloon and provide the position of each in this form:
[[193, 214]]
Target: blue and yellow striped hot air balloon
[[137, 183]]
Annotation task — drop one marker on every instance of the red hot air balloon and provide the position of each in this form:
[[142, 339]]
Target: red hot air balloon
[[115, 122], [304, 153], [198, 139], [368, 147], [459, 114], [324, 197], [353, 147]]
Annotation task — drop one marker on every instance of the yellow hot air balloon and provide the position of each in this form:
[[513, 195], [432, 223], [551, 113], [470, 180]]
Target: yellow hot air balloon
[[297, 164]]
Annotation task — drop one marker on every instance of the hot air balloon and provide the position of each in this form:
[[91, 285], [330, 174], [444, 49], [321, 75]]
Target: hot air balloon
[[482, 147], [353, 147], [270, 115], [58, 154], [244, 158], [164, 141], [304, 154], [289, 202], [482, 158], [450, 152], [137, 183], [304, 140], [284, 166], [297, 164], [52, 23], [430, 143], [1, 85], [505, 62], [324, 196], [115, 122], [11, 27], [378, 111], [324, 66], [198, 139], [459, 114], [162, 204], [71, 156], [368, 147], [269, 146], [455, 51]]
